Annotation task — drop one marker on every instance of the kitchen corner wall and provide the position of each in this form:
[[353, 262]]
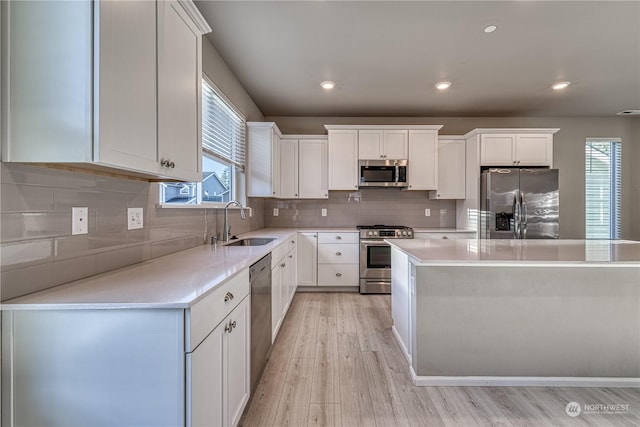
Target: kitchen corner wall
[[37, 249], [363, 207]]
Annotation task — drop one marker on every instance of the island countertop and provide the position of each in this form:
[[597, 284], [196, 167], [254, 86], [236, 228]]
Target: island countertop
[[509, 252]]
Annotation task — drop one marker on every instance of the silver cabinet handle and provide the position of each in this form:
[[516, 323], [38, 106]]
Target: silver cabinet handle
[[290, 256], [444, 237], [338, 237], [230, 326], [283, 265], [228, 297], [293, 241], [296, 194], [338, 274], [338, 253]]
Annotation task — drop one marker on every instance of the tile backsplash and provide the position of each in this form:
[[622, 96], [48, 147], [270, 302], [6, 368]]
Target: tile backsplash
[[37, 250], [388, 206]]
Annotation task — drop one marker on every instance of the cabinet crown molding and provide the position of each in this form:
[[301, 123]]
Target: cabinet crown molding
[[479, 131], [384, 127], [194, 13]]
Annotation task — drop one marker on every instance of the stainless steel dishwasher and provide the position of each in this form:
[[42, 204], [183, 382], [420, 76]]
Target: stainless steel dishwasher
[[260, 278]]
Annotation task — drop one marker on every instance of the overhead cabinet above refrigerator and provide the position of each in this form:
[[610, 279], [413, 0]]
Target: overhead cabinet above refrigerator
[[519, 204]]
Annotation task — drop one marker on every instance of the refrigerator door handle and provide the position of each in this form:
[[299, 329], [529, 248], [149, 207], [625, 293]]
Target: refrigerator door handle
[[516, 215], [523, 229]]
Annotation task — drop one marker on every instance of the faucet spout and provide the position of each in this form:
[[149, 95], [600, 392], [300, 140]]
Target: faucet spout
[[227, 229]]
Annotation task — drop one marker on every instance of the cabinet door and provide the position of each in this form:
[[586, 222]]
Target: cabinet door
[[422, 168], [395, 144], [126, 124], [370, 144], [534, 149], [343, 159], [312, 169], [276, 299], [451, 169], [400, 298], [236, 364], [275, 164], [207, 380], [497, 149], [289, 168], [290, 279], [307, 259], [179, 92]]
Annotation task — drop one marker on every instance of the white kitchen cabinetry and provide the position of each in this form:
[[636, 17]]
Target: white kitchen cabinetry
[[451, 169], [401, 300], [303, 167], [283, 282], [106, 89], [422, 167], [263, 159], [516, 149], [218, 365], [307, 259], [343, 159], [382, 144], [338, 259]]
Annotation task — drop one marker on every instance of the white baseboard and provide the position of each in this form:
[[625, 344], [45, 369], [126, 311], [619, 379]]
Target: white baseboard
[[404, 349], [426, 381]]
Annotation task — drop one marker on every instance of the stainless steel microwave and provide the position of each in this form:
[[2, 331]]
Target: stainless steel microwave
[[383, 173]]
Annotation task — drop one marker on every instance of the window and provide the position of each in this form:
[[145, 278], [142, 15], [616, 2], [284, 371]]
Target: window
[[223, 156], [603, 188]]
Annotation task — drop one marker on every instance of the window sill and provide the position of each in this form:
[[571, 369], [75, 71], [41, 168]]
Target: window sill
[[202, 206]]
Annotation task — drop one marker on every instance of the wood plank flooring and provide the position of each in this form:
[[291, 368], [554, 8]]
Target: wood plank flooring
[[336, 363]]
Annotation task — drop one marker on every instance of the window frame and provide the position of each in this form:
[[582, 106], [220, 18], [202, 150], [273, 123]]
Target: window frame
[[614, 187], [238, 177]]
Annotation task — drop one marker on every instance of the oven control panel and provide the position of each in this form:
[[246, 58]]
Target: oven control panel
[[404, 233]]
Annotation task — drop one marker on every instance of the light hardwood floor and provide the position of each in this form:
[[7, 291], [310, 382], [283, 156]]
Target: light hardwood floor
[[336, 363]]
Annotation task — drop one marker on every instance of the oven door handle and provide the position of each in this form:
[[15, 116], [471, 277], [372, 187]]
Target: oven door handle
[[373, 243]]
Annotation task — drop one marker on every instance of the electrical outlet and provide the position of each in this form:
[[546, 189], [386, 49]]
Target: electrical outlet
[[79, 221], [134, 218], [276, 212], [427, 212], [324, 212]]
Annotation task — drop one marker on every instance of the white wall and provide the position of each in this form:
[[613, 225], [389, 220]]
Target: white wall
[[568, 154]]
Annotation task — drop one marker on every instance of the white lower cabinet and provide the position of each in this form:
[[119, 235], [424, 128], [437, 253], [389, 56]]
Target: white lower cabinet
[[338, 259], [284, 283], [307, 259], [219, 372]]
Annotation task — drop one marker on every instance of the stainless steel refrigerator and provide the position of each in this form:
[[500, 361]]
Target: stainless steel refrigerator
[[519, 204]]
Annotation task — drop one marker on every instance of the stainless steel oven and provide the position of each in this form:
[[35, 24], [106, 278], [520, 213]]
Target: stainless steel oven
[[375, 256]]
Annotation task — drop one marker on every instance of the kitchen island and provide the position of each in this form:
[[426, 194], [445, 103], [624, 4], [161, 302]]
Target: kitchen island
[[518, 312]]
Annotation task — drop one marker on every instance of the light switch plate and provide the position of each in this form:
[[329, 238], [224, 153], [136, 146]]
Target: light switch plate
[[324, 212], [79, 221], [427, 212], [134, 218], [276, 212]]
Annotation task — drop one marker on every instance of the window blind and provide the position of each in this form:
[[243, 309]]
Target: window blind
[[603, 187], [223, 130]]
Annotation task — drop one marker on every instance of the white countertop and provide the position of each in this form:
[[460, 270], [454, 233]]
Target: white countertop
[[442, 230], [510, 252], [172, 281]]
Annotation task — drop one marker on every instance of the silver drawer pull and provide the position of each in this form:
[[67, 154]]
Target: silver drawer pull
[[338, 253], [338, 237], [290, 256], [444, 237], [338, 274], [230, 326], [283, 265], [228, 297]]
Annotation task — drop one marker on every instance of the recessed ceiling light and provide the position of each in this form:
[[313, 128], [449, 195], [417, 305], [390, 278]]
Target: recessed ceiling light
[[560, 85], [490, 29], [443, 85], [328, 85]]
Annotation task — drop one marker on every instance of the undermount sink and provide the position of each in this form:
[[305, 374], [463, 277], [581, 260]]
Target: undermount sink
[[251, 241]]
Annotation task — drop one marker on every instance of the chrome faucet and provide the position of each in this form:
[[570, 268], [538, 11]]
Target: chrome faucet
[[227, 229]]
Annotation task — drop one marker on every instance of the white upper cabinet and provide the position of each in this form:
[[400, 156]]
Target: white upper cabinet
[[343, 159], [516, 149], [313, 169], [422, 167], [263, 159], [382, 144], [116, 94], [289, 184], [179, 104], [451, 169]]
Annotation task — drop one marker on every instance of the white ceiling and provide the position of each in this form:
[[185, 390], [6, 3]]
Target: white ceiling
[[386, 56]]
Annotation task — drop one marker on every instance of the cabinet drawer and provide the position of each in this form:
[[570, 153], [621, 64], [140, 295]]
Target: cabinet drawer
[[338, 275], [348, 237], [338, 254], [469, 235], [206, 314], [281, 250]]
